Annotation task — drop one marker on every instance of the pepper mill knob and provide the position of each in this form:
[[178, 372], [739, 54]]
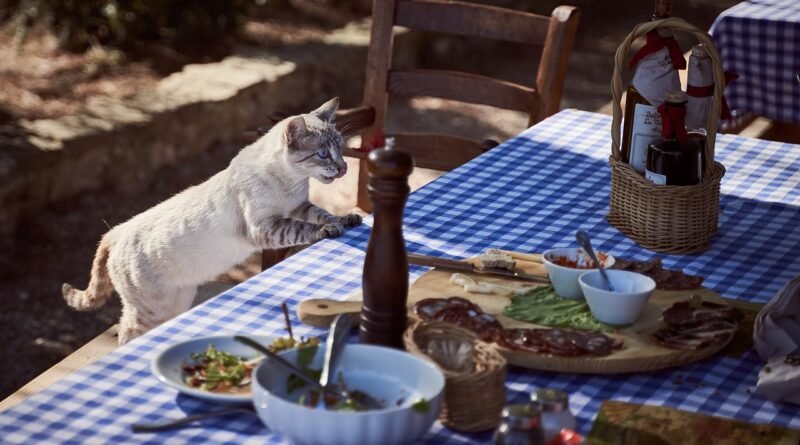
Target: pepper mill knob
[[385, 280]]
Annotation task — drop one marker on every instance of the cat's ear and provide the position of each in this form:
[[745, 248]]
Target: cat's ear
[[327, 112], [295, 129]]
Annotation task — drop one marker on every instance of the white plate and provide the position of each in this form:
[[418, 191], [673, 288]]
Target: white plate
[[168, 365]]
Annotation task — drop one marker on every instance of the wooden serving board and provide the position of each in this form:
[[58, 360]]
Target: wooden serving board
[[639, 353]]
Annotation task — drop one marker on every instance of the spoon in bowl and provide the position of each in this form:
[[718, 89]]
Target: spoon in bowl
[[337, 338], [586, 243], [364, 401]]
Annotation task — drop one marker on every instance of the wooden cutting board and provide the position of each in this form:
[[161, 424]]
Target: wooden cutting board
[[640, 351]]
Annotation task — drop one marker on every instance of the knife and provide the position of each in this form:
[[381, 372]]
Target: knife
[[463, 266]]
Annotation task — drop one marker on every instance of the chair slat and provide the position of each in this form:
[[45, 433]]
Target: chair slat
[[438, 151], [463, 87], [468, 19], [352, 120]]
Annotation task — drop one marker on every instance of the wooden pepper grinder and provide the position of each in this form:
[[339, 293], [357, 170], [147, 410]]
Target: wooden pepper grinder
[[385, 279]]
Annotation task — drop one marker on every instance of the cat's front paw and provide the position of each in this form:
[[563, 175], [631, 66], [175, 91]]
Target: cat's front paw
[[334, 230], [350, 220]]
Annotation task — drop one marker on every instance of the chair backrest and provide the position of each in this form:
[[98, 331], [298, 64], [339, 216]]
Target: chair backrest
[[555, 34]]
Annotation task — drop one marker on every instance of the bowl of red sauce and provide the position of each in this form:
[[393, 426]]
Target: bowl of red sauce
[[566, 265]]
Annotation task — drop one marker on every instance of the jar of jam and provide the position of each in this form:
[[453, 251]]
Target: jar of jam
[[675, 158]]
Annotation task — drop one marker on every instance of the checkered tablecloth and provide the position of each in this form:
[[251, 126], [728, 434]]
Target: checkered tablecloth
[[529, 194], [760, 40]]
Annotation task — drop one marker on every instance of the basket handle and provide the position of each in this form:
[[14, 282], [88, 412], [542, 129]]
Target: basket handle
[[674, 24]]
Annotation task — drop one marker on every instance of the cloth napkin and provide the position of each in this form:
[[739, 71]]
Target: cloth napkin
[[776, 335]]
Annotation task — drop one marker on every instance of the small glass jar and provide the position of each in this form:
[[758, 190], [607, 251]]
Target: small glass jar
[[521, 425], [555, 413]]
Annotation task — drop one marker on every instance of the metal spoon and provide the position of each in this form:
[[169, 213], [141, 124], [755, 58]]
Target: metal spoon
[[337, 338], [175, 423], [586, 243], [366, 402]]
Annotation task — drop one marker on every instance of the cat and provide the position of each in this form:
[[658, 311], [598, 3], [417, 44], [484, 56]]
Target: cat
[[156, 260]]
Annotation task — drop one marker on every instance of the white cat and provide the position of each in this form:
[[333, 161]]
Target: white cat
[[156, 260]]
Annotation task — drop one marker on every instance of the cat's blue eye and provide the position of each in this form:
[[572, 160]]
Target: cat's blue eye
[[323, 154]]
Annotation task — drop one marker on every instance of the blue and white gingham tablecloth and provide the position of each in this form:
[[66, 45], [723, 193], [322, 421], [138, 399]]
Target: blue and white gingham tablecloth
[[760, 40], [529, 194]]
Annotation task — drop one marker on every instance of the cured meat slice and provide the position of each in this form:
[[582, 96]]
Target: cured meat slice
[[559, 342], [637, 266], [427, 308], [667, 279], [676, 340], [484, 325], [526, 340], [562, 342], [695, 325], [594, 342], [683, 312]]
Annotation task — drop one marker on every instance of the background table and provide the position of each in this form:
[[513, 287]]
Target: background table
[[528, 194], [760, 40]]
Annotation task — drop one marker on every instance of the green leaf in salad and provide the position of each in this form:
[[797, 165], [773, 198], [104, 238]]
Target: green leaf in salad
[[421, 406], [305, 354]]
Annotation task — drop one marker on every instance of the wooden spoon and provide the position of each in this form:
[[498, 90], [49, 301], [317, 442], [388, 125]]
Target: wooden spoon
[[319, 312]]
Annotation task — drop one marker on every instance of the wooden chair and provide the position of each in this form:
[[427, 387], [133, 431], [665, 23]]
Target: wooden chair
[[556, 34]]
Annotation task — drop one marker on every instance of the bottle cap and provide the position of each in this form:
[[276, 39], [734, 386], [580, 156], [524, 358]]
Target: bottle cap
[[676, 97], [525, 416], [699, 50], [550, 400]]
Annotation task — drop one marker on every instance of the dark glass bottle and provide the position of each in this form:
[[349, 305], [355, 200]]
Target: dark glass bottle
[[674, 159]]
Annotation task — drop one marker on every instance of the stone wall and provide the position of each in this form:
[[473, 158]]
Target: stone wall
[[122, 143]]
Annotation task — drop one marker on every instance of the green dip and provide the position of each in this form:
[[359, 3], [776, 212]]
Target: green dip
[[543, 306]]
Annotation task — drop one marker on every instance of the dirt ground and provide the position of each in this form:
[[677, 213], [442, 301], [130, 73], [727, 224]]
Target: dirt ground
[[57, 245]]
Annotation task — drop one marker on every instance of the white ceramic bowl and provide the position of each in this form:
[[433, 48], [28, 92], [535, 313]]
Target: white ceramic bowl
[[396, 377], [168, 364], [622, 307], [565, 279]]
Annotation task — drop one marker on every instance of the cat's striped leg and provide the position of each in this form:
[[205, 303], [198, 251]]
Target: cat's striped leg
[[310, 212], [274, 233]]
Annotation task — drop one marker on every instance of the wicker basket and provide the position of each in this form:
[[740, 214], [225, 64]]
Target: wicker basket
[[474, 398], [669, 219]]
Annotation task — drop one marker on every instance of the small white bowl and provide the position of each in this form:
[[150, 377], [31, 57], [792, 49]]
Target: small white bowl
[[625, 304], [168, 364], [391, 375], [565, 279]]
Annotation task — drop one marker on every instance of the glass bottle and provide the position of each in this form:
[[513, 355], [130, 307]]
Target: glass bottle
[[555, 413], [521, 425], [699, 88], [653, 76], [675, 158]]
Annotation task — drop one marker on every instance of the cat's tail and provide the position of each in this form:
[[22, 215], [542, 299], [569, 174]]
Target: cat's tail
[[100, 285]]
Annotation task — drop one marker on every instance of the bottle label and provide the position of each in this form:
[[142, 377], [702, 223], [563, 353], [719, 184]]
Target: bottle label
[[646, 127], [655, 178]]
